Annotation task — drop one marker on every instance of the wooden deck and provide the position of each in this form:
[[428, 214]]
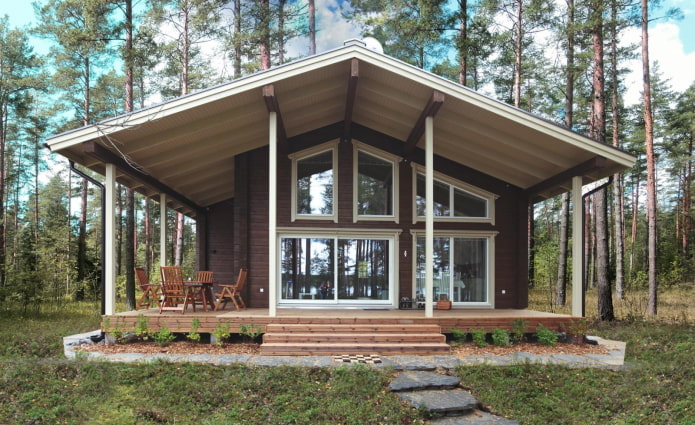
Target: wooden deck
[[464, 320]]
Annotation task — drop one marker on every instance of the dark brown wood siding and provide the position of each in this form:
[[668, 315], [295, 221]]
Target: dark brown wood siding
[[219, 238], [250, 218]]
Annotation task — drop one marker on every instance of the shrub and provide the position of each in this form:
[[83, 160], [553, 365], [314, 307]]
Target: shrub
[[545, 336], [221, 332], [164, 337], [519, 328], [193, 335], [458, 337], [251, 331], [500, 338], [141, 327], [479, 337]]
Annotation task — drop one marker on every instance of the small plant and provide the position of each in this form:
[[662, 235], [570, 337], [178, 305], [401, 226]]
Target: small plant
[[578, 329], [519, 328], [250, 332], [458, 337], [164, 337], [141, 327], [117, 333], [479, 337], [545, 336], [221, 332], [500, 338], [193, 334]]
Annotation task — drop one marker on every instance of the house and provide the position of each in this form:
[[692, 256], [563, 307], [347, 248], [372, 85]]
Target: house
[[349, 179]]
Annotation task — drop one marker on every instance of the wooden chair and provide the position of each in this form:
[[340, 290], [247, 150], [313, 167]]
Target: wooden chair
[[232, 292], [204, 293], [150, 291], [176, 295]]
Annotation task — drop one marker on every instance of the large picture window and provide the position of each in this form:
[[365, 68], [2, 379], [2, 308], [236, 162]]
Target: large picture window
[[336, 270], [462, 268], [314, 189], [453, 200], [375, 184]]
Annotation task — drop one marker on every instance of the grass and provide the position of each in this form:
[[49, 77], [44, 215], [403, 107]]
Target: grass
[[39, 386]]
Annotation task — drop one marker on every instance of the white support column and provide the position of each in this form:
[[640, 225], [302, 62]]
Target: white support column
[[110, 240], [429, 216], [272, 214], [577, 247], [162, 229]]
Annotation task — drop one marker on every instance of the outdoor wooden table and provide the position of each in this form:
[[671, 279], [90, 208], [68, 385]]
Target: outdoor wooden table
[[204, 290]]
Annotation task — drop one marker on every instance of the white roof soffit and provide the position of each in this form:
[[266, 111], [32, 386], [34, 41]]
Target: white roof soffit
[[190, 142]]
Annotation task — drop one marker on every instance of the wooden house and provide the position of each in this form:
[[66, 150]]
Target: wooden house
[[349, 181]]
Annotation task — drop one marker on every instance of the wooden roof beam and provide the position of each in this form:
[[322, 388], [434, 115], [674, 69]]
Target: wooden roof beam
[[350, 100], [271, 102], [586, 167], [99, 152], [418, 130]]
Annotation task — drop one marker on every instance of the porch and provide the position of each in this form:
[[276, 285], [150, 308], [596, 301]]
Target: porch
[[463, 319]]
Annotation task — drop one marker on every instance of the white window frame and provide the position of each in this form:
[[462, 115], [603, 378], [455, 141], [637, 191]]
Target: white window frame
[[490, 266], [385, 156], [390, 235], [489, 197], [298, 156]]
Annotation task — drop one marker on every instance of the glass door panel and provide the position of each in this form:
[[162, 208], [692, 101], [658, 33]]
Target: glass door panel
[[363, 269], [440, 269], [307, 269]]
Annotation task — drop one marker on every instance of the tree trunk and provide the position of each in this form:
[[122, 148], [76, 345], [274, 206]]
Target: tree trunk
[[518, 53], [82, 242], [561, 288], [178, 253], [237, 39], [651, 165], [281, 31], [148, 236], [265, 35], [618, 177], [463, 41], [598, 132], [312, 27], [130, 194]]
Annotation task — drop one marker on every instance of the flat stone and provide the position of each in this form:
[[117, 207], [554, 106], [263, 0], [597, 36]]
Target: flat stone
[[413, 362], [420, 380], [272, 360], [489, 360], [475, 417], [447, 362], [573, 359], [524, 357], [441, 401], [228, 359]]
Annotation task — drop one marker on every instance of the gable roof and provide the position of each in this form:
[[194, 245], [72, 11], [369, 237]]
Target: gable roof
[[186, 146]]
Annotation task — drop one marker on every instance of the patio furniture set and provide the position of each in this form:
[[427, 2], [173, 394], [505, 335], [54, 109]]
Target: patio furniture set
[[174, 293]]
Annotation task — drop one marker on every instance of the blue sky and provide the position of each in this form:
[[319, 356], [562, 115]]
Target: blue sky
[[672, 43]]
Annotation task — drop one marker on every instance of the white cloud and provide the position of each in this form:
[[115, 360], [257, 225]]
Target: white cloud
[[666, 48], [332, 30]]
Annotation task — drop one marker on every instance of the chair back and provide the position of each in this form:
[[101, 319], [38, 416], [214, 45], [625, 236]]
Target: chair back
[[143, 279], [241, 279], [172, 279], [204, 276]]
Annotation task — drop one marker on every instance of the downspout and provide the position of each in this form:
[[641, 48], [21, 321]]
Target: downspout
[[589, 193], [103, 231]]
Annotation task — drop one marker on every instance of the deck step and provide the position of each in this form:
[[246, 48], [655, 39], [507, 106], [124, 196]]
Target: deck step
[[318, 337], [337, 339], [329, 349], [356, 327]]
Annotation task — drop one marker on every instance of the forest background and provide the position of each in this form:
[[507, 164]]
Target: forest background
[[574, 62]]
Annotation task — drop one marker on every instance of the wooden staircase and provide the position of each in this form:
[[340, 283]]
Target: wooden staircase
[[337, 339]]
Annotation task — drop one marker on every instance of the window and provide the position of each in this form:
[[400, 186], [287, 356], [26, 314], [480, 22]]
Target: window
[[343, 268], [375, 178], [462, 267], [454, 200], [314, 188]]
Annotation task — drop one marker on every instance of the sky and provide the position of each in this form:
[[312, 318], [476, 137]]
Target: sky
[[671, 43]]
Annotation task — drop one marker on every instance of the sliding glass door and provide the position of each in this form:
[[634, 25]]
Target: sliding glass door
[[336, 270]]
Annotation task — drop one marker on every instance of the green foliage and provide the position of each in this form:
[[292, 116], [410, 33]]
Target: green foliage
[[164, 336], [142, 330], [221, 332], [458, 337], [500, 338], [479, 337], [519, 329], [193, 334], [546, 336], [251, 332]]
